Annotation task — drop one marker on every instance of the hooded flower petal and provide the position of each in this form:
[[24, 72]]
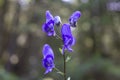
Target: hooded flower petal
[[57, 20], [74, 18], [67, 37], [48, 16], [47, 51], [48, 58]]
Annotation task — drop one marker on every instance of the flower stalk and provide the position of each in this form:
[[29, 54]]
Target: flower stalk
[[64, 58]]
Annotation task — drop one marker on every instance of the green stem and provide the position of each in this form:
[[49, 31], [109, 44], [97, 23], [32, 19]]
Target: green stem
[[58, 37], [64, 57]]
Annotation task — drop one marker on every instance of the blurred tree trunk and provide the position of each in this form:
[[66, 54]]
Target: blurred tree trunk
[[8, 19], [18, 18], [3, 33]]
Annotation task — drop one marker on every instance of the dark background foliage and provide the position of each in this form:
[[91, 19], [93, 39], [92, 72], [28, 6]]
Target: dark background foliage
[[96, 54]]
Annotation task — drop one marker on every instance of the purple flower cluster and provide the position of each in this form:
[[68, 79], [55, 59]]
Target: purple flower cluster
[[67, 37], [48, 26], [66, 34], [48, 58], [74, 18]]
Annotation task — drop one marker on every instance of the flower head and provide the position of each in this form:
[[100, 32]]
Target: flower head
[[57, 20], [67, 37], [48, 58], [48, 26], [74, 18]]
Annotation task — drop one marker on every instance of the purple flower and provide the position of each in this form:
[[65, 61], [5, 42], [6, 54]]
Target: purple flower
[[67, 37], [57, 20], [74, 18], [48, 58], [48, 26]]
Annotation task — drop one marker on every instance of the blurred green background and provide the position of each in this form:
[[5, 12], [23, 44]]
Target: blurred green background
[[96, 54]]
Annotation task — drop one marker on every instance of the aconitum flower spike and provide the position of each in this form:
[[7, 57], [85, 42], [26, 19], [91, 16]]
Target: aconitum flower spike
[[74, 18], [57, 20], [48, 58], [67, 38], [48, 26]]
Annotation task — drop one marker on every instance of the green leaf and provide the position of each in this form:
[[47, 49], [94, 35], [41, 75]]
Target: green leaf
[[68, 58], [60, 50], [68, 78], [60, 73]]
